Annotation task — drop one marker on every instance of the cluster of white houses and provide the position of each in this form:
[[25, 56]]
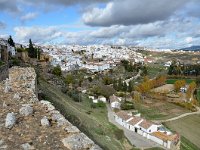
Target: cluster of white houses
[[152, 131], [70, 57]]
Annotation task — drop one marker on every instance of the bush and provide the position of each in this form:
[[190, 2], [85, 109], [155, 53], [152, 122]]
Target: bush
[[93, 105], [101, 104], [75, 95], [1, 62], [127, 105], [15, 62], [119, 134], [57, 71], [98, 105]]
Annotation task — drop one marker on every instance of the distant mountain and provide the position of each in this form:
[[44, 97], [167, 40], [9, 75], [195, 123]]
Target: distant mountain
[[192, 48]]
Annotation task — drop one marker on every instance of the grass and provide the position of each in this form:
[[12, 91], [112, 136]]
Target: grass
[[155, 70], [187, 127], [93, 122], [155, 148], [1, 63], [187, 145], [198, 95], [159, 110], [172, 81]]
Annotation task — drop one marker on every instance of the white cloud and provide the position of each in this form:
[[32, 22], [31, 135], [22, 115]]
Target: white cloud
[[29, 16], [188, 40], [2, 25], [37, 34], [131, 12]]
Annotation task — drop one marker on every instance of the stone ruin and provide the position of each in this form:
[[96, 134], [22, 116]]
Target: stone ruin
[[27, 123]]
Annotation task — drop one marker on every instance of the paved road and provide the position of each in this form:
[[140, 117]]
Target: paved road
[[135, 139]]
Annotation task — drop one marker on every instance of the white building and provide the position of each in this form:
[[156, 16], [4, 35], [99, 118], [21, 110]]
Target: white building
[[115, 102], [148, 129]]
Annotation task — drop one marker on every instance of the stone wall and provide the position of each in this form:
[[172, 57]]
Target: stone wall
[[27, 123], [3, 72]]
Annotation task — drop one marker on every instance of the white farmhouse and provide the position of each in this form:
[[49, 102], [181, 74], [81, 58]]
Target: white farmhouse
[[115, 102], [102, 99]]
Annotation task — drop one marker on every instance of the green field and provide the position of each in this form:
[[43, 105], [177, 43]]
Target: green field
[[155, 70], [189, 127], [93, 122], [172, 81], [187, 145], [198, 95], [159, 110]]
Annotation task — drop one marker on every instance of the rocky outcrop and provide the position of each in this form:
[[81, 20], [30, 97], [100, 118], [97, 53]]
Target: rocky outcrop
[[27, 123]]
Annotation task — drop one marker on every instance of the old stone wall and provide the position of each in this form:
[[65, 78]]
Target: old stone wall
[[3, 72], [27, 123]]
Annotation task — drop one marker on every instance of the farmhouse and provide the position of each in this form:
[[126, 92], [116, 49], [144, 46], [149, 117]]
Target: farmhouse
[[155, 132], [168, 141], [114, 102]]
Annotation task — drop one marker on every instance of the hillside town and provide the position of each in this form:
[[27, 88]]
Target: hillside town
[[116, 80]]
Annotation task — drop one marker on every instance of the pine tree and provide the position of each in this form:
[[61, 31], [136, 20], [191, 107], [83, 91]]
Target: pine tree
[[10, 41], [31, 50]]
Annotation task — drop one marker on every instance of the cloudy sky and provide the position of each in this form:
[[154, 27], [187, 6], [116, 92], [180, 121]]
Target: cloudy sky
[[151, 23]]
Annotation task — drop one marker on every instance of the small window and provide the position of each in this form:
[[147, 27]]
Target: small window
[[149, 130]]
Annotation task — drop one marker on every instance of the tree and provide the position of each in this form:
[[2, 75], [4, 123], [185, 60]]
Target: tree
[[69, 79], [31, 50], [190, 90], [107, 80], [130, 86], [198, 81], [10, 41], [178, 84], [57, 70]]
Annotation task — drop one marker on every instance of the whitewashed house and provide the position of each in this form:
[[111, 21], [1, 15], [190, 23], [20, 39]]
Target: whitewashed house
[[148, 129], [168, 141], [115, 102], [122, 118], [145, 128], [102, 99]]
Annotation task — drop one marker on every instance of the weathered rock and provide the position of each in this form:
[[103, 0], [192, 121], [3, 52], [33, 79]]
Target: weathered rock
[[27, 146], [4, 104], [60, 119], [10, 120], [16, 96], [26, 110], [48, 105], [45, 122], [2, 145], [95, 147], [78, 142], [7, 87], [72, 129]]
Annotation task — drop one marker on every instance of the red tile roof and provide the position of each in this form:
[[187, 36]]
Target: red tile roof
[[123, 115], [164, 136], [135, 120], [146, 124]]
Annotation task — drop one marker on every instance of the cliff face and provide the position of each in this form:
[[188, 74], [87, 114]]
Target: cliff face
[[26, 123]]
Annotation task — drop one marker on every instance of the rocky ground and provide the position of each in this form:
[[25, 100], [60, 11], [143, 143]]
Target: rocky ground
[[26, 123]]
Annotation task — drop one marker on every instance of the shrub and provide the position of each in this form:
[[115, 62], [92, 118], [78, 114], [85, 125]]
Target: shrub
[[127, 105], [119, 134], [93, 105], [57, 71], [15, 62], [101, 104]]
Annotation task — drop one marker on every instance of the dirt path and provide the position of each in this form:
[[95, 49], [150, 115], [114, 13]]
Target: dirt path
[[179, 117], [133, 78]]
